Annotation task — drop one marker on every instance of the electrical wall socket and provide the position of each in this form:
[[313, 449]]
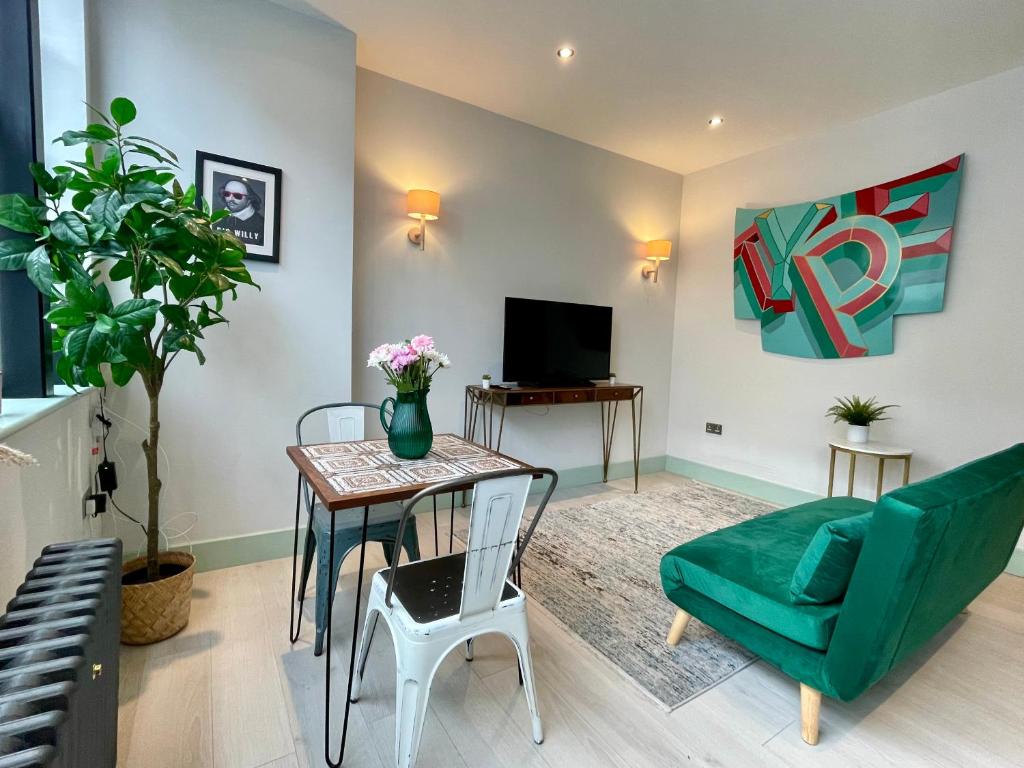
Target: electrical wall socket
[[713, 429]]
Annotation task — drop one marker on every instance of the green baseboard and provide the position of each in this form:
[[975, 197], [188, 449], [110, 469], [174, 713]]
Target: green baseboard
[[230, 551], [1016, 564], [734, 481]]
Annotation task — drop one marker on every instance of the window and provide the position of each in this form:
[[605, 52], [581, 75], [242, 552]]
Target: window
[[42, 56]]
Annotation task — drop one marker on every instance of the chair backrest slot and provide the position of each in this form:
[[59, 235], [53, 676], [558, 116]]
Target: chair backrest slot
[[494, 520], [345, 422]]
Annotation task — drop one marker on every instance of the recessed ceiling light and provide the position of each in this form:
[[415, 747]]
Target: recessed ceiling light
[[565, 53], [716, 121]]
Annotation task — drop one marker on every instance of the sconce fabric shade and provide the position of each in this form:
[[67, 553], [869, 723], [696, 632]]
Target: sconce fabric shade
[[659, 250], [423, 203]]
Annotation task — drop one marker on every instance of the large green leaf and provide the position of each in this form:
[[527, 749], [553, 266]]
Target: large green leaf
[[43, 178], [122, 110], [136, 312], [104, 324], [131, 343], [111, 164], [82, 294], [65, 369], [122, 373], [170, 153], [142, 189], [100, 132], [142, 149], [103, 295], [167, 262], [75, 342], [39, 270], [94, 376], [66, 316], [69, 138], [106, 209], [69, 227], [175, 314], [97, 341], [22, 213], [124, 269], [14, 252]]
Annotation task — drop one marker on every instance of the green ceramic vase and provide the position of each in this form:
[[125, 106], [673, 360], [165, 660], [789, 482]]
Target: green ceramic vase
[[409, 432]]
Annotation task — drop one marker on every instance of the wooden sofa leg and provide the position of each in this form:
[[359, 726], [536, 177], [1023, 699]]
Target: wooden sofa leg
[[810, 711], [678, 627]]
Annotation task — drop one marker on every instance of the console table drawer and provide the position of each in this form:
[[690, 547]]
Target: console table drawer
[[618, 393], [530, 398], [575, 396]]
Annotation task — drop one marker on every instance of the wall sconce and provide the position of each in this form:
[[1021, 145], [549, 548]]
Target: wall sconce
[[424, 205], [657, 251]]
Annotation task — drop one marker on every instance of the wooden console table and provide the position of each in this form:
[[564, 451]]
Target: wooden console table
[[480, 404]]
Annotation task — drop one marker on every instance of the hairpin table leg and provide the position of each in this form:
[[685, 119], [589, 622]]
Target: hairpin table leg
[[352, 659], [293, 623]]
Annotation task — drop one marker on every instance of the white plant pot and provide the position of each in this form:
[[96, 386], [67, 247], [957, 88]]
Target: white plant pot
[[857, 434], [485, 383]]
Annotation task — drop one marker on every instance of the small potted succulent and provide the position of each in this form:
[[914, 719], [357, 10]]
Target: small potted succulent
[[858, 415], [611, 378], [485, 381]]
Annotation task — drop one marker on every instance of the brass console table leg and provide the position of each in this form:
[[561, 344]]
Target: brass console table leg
[[853, 469], [881, 474], [607, 434], [906, 470], [638, 426]]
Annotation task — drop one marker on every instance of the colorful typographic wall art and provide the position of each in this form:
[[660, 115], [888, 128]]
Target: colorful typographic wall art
[[827, 278]]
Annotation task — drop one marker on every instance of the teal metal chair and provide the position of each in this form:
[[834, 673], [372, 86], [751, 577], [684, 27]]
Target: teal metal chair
[[344, 424]]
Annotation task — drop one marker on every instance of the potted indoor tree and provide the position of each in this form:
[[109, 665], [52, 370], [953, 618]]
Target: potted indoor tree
[[859, 415], [129, 223]]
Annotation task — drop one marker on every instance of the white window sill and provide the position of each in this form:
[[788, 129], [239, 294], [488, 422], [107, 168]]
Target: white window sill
[[18, 413]]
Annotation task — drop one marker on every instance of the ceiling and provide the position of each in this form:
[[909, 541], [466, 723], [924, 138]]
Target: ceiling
[[649, 73]]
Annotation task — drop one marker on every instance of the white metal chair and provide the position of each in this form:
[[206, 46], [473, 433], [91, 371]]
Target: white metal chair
[[433, 606]]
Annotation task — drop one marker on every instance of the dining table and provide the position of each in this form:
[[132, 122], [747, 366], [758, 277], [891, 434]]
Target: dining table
[[347, 479]]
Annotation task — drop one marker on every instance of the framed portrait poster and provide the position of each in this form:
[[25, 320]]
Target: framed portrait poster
[[251, 194]]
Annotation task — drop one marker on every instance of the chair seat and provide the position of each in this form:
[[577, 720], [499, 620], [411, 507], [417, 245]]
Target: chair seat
[[353, 518], [431, 590], [748, 568]]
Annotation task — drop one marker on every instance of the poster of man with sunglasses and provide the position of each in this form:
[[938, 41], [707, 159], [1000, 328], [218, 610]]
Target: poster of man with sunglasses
[[250, 194]]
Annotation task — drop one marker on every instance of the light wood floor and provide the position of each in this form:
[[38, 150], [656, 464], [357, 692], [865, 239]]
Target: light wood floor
[[231, 692]]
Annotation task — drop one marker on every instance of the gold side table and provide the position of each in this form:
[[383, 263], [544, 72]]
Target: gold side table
[[878, 450]]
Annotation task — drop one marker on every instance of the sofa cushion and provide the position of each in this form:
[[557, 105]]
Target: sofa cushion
[[826, 566], [748, 568]]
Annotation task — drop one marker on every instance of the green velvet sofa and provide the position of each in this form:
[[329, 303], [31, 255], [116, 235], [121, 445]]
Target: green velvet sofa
[[929, 549]]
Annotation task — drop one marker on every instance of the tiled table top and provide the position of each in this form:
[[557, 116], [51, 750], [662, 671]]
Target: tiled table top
[[354, 474]]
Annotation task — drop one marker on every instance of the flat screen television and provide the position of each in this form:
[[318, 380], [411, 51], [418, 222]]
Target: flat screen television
[[555, 343]]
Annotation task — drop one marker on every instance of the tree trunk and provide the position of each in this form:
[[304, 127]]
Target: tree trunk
[[150, 448]]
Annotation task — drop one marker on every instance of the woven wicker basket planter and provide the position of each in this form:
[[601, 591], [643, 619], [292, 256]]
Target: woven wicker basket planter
[[153, 611]]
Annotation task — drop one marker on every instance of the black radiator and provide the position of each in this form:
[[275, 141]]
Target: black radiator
[[58, 660]]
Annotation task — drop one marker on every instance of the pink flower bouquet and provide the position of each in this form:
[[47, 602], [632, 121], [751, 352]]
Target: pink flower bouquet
[[411, 365]]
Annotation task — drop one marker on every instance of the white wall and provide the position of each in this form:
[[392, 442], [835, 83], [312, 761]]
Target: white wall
[[957, 374], [524, 212], [254, 81], [42, 504]]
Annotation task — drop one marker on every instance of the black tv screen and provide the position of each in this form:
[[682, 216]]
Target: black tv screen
[[553, 342]]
